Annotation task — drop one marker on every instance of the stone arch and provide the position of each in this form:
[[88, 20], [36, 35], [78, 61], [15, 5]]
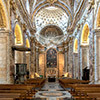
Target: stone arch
[[42, 5], [18, 35], [98, 18], [85, 35], [76, 46], [3, 15], [27, 6]]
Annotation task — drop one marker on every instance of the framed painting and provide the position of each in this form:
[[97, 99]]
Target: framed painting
[[51, 58]]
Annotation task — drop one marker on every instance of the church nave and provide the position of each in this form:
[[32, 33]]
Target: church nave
[[49, 49]]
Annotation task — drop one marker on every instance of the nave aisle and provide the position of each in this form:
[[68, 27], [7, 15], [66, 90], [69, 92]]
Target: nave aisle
[[53, 91]]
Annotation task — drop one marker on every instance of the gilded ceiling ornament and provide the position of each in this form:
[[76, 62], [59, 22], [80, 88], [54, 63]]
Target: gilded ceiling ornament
[[52, 1]]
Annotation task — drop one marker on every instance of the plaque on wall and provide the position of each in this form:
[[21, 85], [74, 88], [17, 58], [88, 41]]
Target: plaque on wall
[[51, 57]]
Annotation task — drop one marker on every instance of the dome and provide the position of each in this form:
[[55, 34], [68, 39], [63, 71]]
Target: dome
[[50, 17]]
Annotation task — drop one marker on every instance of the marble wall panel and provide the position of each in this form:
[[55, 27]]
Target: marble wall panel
[[61, 64], [41, 64]]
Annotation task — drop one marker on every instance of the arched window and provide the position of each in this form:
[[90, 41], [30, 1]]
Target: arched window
[[85, 35], [18, 35], [2, 17], [98, 18], [76, 46], [27, 43]]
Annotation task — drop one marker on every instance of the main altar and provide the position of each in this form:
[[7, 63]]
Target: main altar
[[51, 64]]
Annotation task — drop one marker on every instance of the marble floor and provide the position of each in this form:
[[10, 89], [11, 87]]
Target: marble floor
[[53, 91]]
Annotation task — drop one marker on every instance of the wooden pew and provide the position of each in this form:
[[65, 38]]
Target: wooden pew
[[38, 82], [86, 91], [20, 91], [7, 99], [81, 91], [65, 82], [11, 91], [73, 81]]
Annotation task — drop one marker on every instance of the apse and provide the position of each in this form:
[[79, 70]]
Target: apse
[[50, 35]]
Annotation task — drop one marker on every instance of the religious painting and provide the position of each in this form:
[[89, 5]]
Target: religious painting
[[51, 58]]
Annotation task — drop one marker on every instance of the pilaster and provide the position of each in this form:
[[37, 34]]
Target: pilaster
[[75, 66], [97, 55], [32, 55], [6, 58], [71, 57], [37, 60]]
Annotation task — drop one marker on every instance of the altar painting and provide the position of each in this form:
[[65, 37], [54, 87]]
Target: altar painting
[[51, 58]]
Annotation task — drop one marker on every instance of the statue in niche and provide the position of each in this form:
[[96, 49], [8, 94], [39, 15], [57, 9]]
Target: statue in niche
[[51, 58]]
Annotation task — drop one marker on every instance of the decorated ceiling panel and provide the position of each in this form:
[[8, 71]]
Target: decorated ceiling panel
[[51, 16]]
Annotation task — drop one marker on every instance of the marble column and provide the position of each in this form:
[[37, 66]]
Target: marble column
[[71, 58], [97, 55], [91, 57], [37, 60], [75, 66], [32, 58], [65, 66], [84, 62], [28, 60], [6, 64], [67, 60], [85, 56]]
